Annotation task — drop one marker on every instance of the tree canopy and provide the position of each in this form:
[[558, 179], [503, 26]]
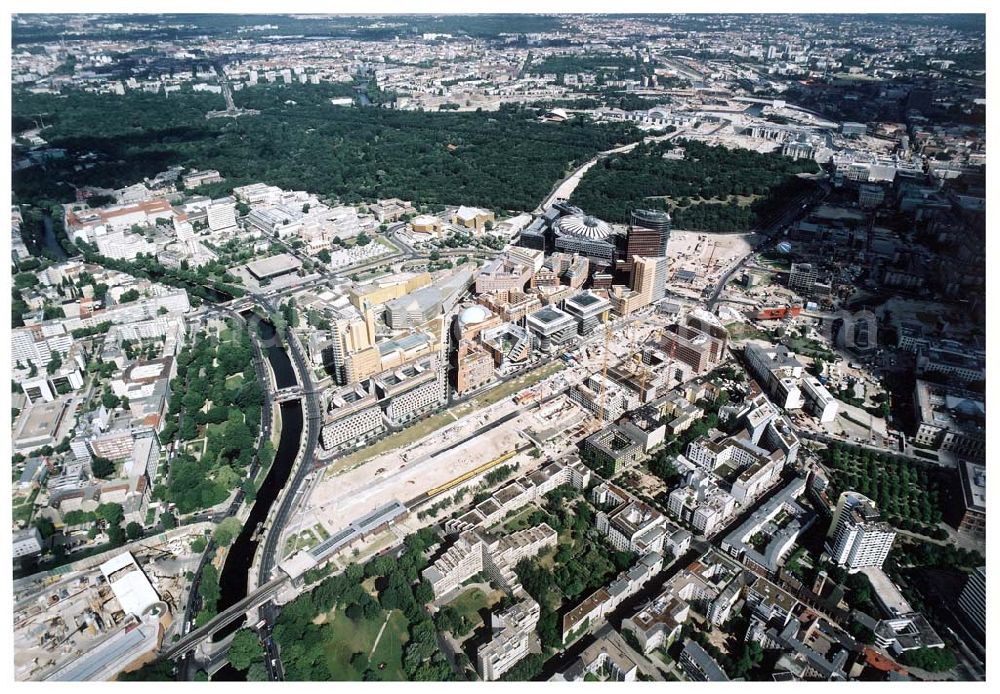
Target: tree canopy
[[648, 175], [499, 160], [227, 531]]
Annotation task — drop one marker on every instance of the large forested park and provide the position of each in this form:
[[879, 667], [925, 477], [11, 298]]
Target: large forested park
[[506, 160], [705, 188]]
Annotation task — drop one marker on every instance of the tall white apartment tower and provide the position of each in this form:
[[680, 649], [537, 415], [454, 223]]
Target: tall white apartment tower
[[857, 538]]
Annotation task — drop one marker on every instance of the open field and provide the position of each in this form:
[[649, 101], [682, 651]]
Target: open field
[[705, 254], [347, 637], [400, 439], [495, 395], [397, 475], [302, 540]]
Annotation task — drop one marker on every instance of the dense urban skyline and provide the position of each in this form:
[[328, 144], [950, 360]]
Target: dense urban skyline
[[525, 347]]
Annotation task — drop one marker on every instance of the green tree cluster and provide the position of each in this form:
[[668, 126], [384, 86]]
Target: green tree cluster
[[644, 177], [245, 650], [498, 160], [227, 531], [930, 659], [305, 645], [234, 415], [902, 489]]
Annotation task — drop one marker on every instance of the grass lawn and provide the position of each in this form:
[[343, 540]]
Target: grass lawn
[[23, 512], [519, 521], [23, 507], [746, 331], [226, 335], [302, 540], [776, 260], [400, 439], [234, 381], [369, 585], [803, 345], [346, 637], [471, 601], [220, 429]]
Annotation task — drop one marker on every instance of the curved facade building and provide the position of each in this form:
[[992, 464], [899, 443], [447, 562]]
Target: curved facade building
[[657, 221], [586, 235]]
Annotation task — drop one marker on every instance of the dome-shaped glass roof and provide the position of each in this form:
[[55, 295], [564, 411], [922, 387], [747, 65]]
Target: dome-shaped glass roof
[[585, 226], [473, 315]]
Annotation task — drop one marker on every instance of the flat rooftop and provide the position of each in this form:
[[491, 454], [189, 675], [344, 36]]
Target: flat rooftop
[[280, 264], [887, 592], [585, 299], [40, 421], [974, 485], [548, 315]]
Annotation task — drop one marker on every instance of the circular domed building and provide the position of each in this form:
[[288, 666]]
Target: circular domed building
[[471, 320], [586, 235], [472, 315], [584, 226]]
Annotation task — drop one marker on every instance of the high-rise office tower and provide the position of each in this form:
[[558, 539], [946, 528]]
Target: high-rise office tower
[[644, 221], [649, 277]]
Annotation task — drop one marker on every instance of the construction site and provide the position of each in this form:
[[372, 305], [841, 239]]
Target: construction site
[[444, 460], [699, 260], [104, 614]]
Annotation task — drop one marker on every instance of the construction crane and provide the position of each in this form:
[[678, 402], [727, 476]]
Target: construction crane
[[715, 247], [604, 369], [645, 369]]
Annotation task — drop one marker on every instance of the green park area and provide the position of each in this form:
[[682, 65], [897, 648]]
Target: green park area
[[214, 414], [464, 614], [518, 520], [332, 631], [581, 562], [500, 160], [364, 644], [910, 495], [708, 188]]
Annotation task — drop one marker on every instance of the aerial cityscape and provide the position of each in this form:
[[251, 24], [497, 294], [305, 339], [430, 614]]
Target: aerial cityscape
[[498, 347]]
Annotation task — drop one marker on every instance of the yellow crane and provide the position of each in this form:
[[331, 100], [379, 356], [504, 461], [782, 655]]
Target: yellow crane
[[604, 369], [645, 369]]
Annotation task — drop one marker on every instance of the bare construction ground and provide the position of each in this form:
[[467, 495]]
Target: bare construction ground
[[404, 473], [707, 256], [342, 498]]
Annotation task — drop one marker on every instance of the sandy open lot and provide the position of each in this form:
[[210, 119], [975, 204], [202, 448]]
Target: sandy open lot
[[340, 499], [692, 250]]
